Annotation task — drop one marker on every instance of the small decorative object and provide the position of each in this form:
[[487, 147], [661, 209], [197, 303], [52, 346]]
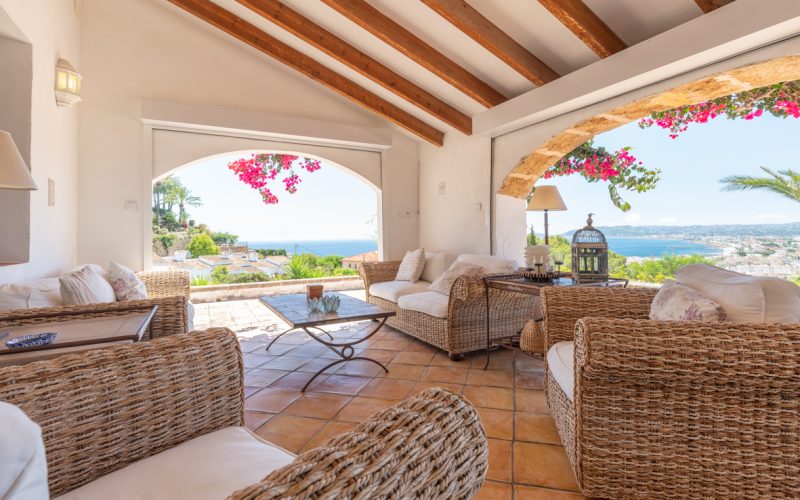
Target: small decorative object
[[68, 84], [33, 340], [537, 276], [315, 305], [180, 255], [558, 260], [314, 291], [589, 255], [331, 303], [546, 198]]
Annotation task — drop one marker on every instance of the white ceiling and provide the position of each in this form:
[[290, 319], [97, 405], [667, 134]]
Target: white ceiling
[[526, 21]]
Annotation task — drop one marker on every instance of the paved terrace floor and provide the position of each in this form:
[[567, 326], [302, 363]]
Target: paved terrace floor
[[526, 459]]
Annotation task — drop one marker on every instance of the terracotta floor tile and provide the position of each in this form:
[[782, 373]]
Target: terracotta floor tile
[[500, 463], [543, 465], [535, 427], [313, 350], [313, 365], [285, 362], [501, 359], [255, 419], [361, 408], [522, 492], [389, 345], [295, 381], [418, 346], [387, 388], [341, 384], [378, 355], [442, 359], [317, 405], [445, 374], [249, 390], [421, 386], [279, 349], [529, 363], [256, 359], [248, 346], [414, 358], [290, 432], [497, 423], [493, 378], [262, 378], [529, 380], [490, 397], [405, 372], [361, 368], [271, 400], [331, 430], [492, 490], [533, 401]]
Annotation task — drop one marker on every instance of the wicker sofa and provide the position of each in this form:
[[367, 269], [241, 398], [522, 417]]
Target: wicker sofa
[[122, 436], [169, 289], [460, 326], [671, 409]]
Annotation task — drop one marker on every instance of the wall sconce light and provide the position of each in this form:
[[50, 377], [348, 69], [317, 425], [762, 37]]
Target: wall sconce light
[[68, 84]]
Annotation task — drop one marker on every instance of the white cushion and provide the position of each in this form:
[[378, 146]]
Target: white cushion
[[85, 286], [433, 303], [23, 466], [412, 265], [393, 290], [126, 285], [436, 263], [31, 294], [444, 283], [561, 365], [746, 299], [211, 466], [489, 263]]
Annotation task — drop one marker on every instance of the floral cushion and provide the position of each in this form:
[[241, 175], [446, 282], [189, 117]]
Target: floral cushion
[[126, 285], [675, 302]]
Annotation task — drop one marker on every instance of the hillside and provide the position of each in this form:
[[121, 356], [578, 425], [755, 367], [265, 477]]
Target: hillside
[[790, 229]]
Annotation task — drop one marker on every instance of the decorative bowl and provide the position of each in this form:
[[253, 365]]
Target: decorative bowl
[[33, 340], [331, 303], [315, 305]]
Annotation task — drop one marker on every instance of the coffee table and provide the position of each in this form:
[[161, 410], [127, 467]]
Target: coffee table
[[75, 334], [293, 309]]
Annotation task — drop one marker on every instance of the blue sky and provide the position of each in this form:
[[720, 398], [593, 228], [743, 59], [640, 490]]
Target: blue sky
[[689, 191], [329, 204], [332, 204]]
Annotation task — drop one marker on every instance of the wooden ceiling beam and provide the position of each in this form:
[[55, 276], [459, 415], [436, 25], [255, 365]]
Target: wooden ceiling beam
[[322, 39], [584, 23], [251, 35], [386, 29], [708, 5], [464, 17]]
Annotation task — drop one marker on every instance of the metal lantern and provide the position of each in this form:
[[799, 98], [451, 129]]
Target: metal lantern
[[589, 255]]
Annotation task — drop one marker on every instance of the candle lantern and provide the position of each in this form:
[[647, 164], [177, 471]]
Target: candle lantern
[[589, 255]]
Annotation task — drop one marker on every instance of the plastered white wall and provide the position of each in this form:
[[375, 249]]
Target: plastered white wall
[[148, 50], [54, 31]]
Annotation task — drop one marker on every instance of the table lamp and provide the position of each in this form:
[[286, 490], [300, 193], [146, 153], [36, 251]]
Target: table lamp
[[546, 198], [14, 174]]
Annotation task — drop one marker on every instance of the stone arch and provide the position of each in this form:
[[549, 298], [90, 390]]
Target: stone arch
[[519, 181]]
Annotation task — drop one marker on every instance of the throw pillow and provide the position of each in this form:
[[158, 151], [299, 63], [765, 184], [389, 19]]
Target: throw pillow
[[85, 286], [126, 285], [412, 266], [444, 283], [675, 302]]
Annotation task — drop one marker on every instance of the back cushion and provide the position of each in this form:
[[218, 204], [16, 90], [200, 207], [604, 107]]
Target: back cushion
[[85, 287], [489, 263], [676, 302], [746, 299], [31, 294], [436, 263]]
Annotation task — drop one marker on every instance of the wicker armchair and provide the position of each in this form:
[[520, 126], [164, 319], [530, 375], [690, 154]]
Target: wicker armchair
[[464, 329], [99, 411], [168, 289], [674, 409]]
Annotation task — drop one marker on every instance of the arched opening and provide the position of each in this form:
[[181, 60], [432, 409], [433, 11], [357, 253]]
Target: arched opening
[[207, 220]]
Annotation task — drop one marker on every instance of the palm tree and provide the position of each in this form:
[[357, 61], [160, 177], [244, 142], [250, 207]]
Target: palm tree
[[785, 183], [182, 196], [161, 196]]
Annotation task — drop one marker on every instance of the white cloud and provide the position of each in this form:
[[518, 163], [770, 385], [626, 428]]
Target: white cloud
[[668, 220], [633, 217]]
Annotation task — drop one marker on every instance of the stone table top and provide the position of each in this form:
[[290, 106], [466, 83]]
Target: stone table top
[[293, 309]]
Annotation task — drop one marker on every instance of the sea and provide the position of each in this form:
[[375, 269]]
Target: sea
[[629, 247]]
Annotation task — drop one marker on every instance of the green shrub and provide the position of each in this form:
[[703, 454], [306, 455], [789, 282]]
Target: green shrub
[[201, 281], [219, 274], [298, 269], [270, 252], [202, 244], [255, 277], [221, 237], [165, 240]]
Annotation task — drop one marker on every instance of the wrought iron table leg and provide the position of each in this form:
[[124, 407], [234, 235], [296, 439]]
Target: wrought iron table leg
[[279, 336], [347, 352]]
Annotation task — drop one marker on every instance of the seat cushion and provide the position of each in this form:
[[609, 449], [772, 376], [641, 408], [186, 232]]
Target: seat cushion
[[489, 263], [211, 466], [393, 290], [746, 299], [433, 303], [23, 466], [561, 365]]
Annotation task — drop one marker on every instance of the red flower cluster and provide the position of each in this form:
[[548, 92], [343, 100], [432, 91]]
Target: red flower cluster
[[594, 167], [257, 170]]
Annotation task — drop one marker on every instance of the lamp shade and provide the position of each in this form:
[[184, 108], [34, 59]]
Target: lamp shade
[[546, 198], [14, 174]]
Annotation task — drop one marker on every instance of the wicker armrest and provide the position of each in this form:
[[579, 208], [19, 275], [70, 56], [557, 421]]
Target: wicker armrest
[[468, 288], [103, 409], [563, 306], [378, 272], [166, 283], [428, 446]]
